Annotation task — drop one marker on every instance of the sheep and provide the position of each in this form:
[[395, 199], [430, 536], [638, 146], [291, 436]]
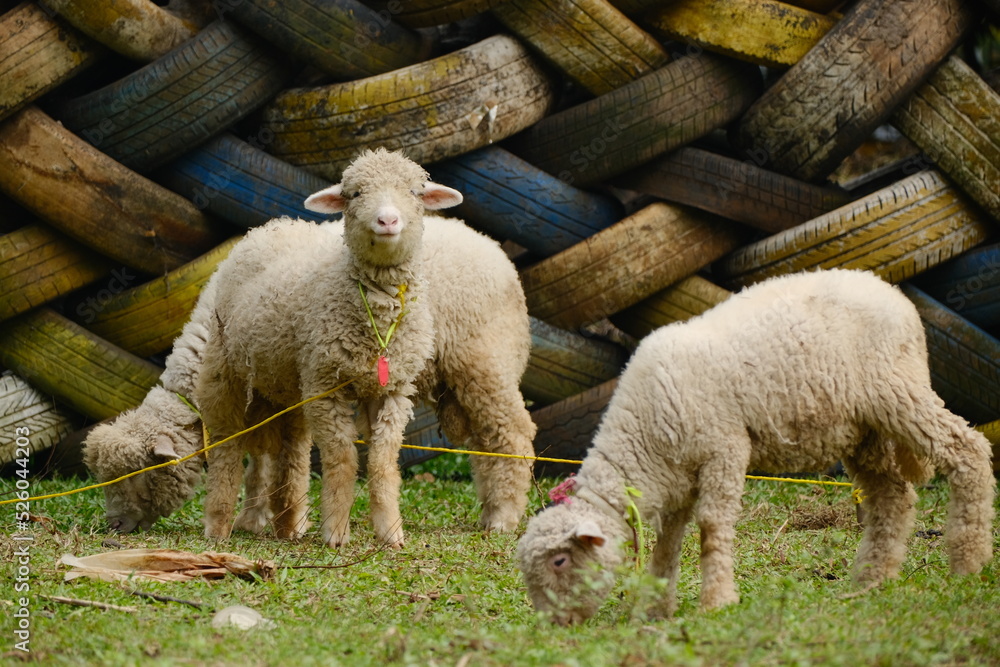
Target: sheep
[[164, 427], [293, 325], [788, 375], [479, 306], [295, 319]]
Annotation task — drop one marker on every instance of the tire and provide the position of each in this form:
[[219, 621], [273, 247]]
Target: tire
[[896, 232], [509, 198], [344, 38], [38, 265], [147, 318], [563, 363], [179, 101], [763, 32], [735, 189], [432, 110], [37, 53], [992, 433], [424, 431], [240, 183], [847, 85], [964, 360], [64, 360], [955, 119], [100, 203], [679, 302], [27, 413], [427, 13], [137, 29], [625, 263], [589, 41], [659, 112], [969, 285], [566, 429]]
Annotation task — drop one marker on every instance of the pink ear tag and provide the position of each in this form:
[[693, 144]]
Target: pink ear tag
[[383, 371]]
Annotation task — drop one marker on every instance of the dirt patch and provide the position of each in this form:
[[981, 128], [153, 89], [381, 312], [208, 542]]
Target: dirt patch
[[818, 517]]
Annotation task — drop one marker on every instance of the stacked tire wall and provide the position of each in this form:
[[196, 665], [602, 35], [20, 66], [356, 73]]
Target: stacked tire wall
[[641, 160]]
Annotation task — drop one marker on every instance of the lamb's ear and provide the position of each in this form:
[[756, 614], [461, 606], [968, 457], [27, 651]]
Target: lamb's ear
[[164, 448], [327, 200], [589, 533], [438, 196]]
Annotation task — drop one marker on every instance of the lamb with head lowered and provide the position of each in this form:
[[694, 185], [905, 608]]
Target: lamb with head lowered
[[789, 375]]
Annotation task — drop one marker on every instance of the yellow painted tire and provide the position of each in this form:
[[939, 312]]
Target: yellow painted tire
[[590, 41], [62, 359], [681, 301], [896, 232], [146, 319], [38, 264], [100, 203], [37, 53], [955, 119], [137, 29], [765, 32], [836, 95], [432, 110], [625, 263], [992, 433]]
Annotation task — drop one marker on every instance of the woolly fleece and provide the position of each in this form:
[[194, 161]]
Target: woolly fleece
[[787, 376]]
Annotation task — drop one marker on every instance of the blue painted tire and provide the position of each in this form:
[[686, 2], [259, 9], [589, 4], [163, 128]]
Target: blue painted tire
[[509, 198], [237, 182], [964, 360], [192, 93], [970, 285]]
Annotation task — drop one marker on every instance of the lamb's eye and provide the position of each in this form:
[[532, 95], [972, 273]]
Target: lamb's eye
[[559, 562], [355, 194]]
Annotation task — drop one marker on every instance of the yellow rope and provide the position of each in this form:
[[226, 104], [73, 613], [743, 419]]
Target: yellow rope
[[174, 462], [856, 494]]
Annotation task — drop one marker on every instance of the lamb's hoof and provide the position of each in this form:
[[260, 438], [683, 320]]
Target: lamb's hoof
[[499, 521], [392, 539], [292, 533], [252, 521], [718, 600], [337, 539], [216, 532]]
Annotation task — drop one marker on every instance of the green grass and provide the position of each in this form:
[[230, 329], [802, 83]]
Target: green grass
[[453, 595]]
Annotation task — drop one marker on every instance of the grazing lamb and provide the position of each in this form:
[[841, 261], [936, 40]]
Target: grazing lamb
[[788, 375], [477, 302], [162, 428]]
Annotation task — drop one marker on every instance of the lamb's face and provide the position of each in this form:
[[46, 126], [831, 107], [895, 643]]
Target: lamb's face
[[568, 563], [383, 197], [132, 443]]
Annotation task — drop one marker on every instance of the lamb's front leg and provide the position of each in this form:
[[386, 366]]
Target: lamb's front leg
[[666, 561], [720, 491], [387, 420], [225, 474], [331, 423]]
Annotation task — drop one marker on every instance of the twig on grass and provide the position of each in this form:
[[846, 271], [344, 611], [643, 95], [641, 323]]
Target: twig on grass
[[89, 603], [163, 598]]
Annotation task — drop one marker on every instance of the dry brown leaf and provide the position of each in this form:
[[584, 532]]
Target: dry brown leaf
[[164, 565]]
